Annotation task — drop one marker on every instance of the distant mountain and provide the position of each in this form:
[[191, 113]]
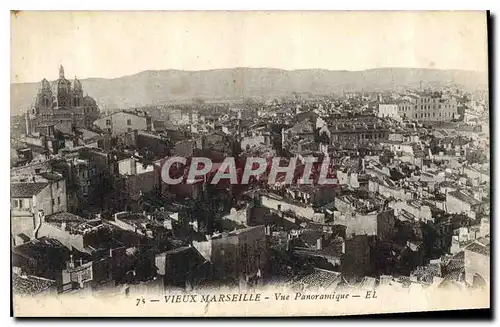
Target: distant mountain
[[164, 86]]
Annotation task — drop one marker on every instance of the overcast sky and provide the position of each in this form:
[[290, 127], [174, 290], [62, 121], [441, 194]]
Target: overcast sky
[[114, 44]]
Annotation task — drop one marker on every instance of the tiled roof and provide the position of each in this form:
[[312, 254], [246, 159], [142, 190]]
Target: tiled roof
[[30, 284], [456, 263], [479, 248], [138, 113], [51, 176], [319, 278], [464, 197], [37, 248], [64, 217], [367, 282], [426, 274], [74, 223], [26, 190], [457, 275], [484, 240]]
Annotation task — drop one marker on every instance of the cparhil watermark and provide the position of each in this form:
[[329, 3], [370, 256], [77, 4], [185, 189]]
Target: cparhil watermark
[[307, 170]]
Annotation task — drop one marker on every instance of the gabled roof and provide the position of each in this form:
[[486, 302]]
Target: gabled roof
[[26, 190], [479, 248], [464, 197]]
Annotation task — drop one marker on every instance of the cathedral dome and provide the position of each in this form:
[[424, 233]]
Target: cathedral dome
[[89, 102], [61, 90], [62, 85]]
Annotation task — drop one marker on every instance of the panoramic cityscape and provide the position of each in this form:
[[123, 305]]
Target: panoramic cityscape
[[181, 184], [410, 204]]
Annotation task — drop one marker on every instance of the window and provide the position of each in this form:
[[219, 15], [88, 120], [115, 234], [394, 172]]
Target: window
[[129, 122], [108, 122], [37, 171], [17, 203], [53, 202], [58, 200], [129, 130]]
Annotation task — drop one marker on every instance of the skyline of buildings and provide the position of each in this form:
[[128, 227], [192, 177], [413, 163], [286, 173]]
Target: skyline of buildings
[[90, 211]]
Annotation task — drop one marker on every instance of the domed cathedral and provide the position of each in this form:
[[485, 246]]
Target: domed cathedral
[[62, 93], [61, 103]]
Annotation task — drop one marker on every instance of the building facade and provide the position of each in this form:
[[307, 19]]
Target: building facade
[[31, 199], [388, 111], [433, 107], [124, 122]]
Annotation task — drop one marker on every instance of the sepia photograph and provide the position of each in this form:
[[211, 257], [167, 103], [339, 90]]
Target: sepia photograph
[[249, 163]]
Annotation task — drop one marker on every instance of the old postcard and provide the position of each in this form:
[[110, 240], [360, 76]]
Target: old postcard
[[203, 164]]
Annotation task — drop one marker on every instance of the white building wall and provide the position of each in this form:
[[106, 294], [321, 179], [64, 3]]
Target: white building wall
[[388, 110]]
